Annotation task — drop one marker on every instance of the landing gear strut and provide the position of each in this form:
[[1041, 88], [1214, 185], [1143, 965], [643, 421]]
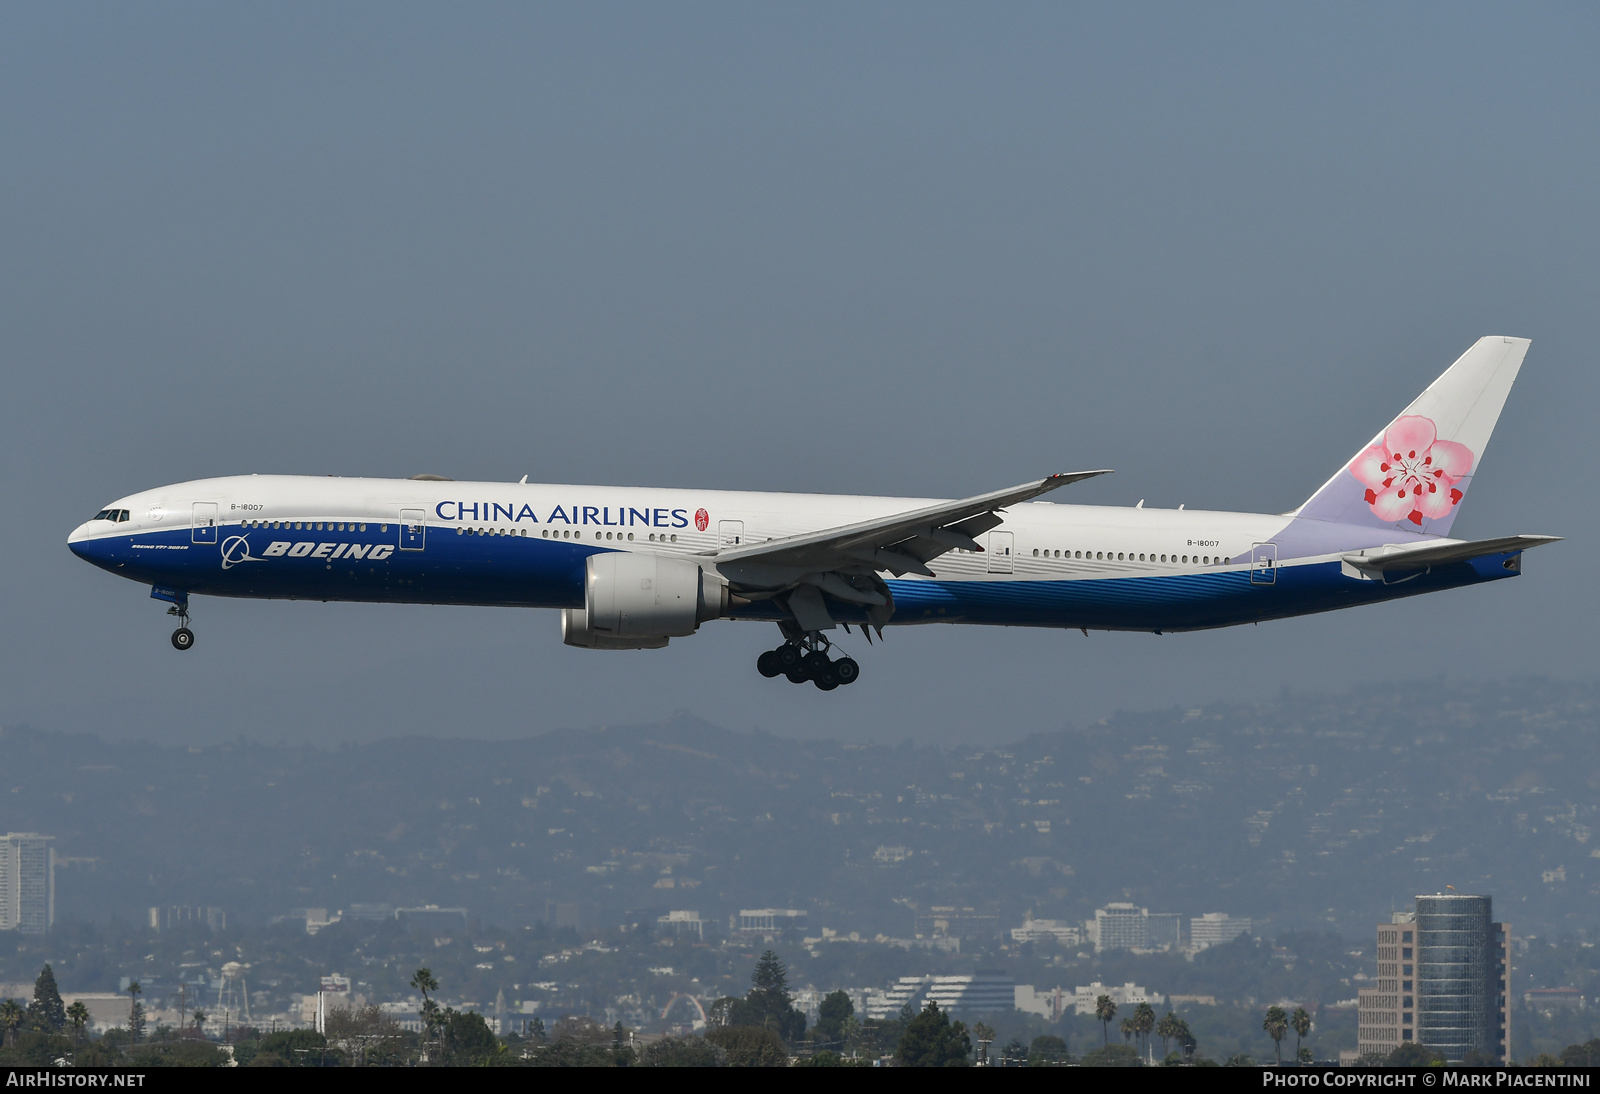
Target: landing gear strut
[[805, 657], [183, 637]]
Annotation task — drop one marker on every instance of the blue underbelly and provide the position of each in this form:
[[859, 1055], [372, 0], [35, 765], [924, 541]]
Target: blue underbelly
[[519, 571]]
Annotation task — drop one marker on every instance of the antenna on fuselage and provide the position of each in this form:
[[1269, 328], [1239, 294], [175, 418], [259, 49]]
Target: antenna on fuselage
[[523, 481]]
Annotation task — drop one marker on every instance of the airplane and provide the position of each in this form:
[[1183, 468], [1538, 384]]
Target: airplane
[[631, 568]]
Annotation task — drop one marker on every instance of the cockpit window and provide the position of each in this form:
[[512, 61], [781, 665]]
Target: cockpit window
[[104, 514], [112, 515]]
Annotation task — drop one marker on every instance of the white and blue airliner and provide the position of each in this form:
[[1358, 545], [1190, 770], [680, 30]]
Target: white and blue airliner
[[630, 568]]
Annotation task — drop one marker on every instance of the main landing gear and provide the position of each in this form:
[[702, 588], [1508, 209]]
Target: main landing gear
[[806, 658]]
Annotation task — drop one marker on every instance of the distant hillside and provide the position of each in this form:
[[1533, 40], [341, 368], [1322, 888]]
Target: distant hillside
[[1303, 811]]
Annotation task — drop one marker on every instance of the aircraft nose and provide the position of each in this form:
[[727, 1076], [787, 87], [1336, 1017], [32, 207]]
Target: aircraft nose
[[83, 544]]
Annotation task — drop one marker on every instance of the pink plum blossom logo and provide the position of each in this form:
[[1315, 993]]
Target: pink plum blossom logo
[[1411, 474]]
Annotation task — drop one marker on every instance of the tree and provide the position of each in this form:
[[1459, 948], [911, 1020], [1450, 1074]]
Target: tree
[[11, 1016], [1128, 1029], [769, 1000], [78, 1015], [1167, 1030], [466, 1038], [1111, 1056], [1300, 1022], [1144, 1020], [1047, 1049], [683, 1052], [750, 1046], [1584, 1055], [932, 1040], [1276, 1023], [48, 1013], [432, 1021], [199, 1023], [832, 1013], [622, 1046], [1015, 1054], [1105, 1010], [135, 1013], [985, 1037], [1412, 1054]]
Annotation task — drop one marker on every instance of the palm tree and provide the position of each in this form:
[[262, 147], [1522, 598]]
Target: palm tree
[[11, 1016], [1276, 1024], [1144, 1020], [423, 980], [1105, 1010], [200, 1023], [1300, 1022], [1128, 1030], [1166, 1029], [78, 1015]]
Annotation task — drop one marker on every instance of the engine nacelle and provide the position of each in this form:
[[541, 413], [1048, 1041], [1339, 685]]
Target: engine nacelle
[[637, 600]]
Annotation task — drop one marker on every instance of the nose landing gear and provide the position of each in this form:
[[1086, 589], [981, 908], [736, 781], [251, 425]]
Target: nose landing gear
[[183, 637], [806, 658]]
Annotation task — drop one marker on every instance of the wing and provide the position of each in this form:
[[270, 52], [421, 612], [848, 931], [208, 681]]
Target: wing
[[1438, 553], [844, 562]]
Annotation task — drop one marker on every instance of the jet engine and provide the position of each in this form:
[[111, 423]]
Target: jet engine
[[637, 600]]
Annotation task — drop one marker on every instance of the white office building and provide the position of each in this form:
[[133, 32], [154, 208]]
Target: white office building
[[1120, 927], [1215, 928], [983, 992], [1127, 995], [1032, 930], [27, 882]]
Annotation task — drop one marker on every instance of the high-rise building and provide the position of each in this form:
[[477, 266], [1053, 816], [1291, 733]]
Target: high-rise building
[[27, 882], [1215, 928], [1443, 981], [1120, 927]]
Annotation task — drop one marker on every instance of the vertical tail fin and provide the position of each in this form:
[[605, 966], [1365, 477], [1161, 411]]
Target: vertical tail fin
[[1414, 475]]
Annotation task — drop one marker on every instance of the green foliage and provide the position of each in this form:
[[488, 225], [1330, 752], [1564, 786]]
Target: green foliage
[[47, 1013], [769, 1001], [12, 1015], [1412, 1054], [832, 1013], [467, 1039], [35, 1050], [1111, 1056], [750, 1046], [932, 1040], [569, 1052], [829, 1058], [290, 1048], [1586, 1055], [683, 1052], [1104, 1011], [1276, 1023], [188, 1053], [1048, 1050]]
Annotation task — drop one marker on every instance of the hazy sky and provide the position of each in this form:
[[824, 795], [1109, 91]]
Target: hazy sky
[[898, 249]]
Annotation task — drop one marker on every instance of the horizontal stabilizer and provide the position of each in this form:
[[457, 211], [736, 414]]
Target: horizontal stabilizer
[[1439, 552]]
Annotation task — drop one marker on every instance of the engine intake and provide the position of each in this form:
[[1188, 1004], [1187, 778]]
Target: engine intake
[[638, 600]]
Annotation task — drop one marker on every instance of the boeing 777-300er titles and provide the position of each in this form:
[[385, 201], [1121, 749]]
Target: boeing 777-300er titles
[[631, 568]]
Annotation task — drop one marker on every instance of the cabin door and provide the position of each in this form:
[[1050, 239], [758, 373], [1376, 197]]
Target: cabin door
[[413, 530], [1001, 545], [205, 522], [1264, 564]]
